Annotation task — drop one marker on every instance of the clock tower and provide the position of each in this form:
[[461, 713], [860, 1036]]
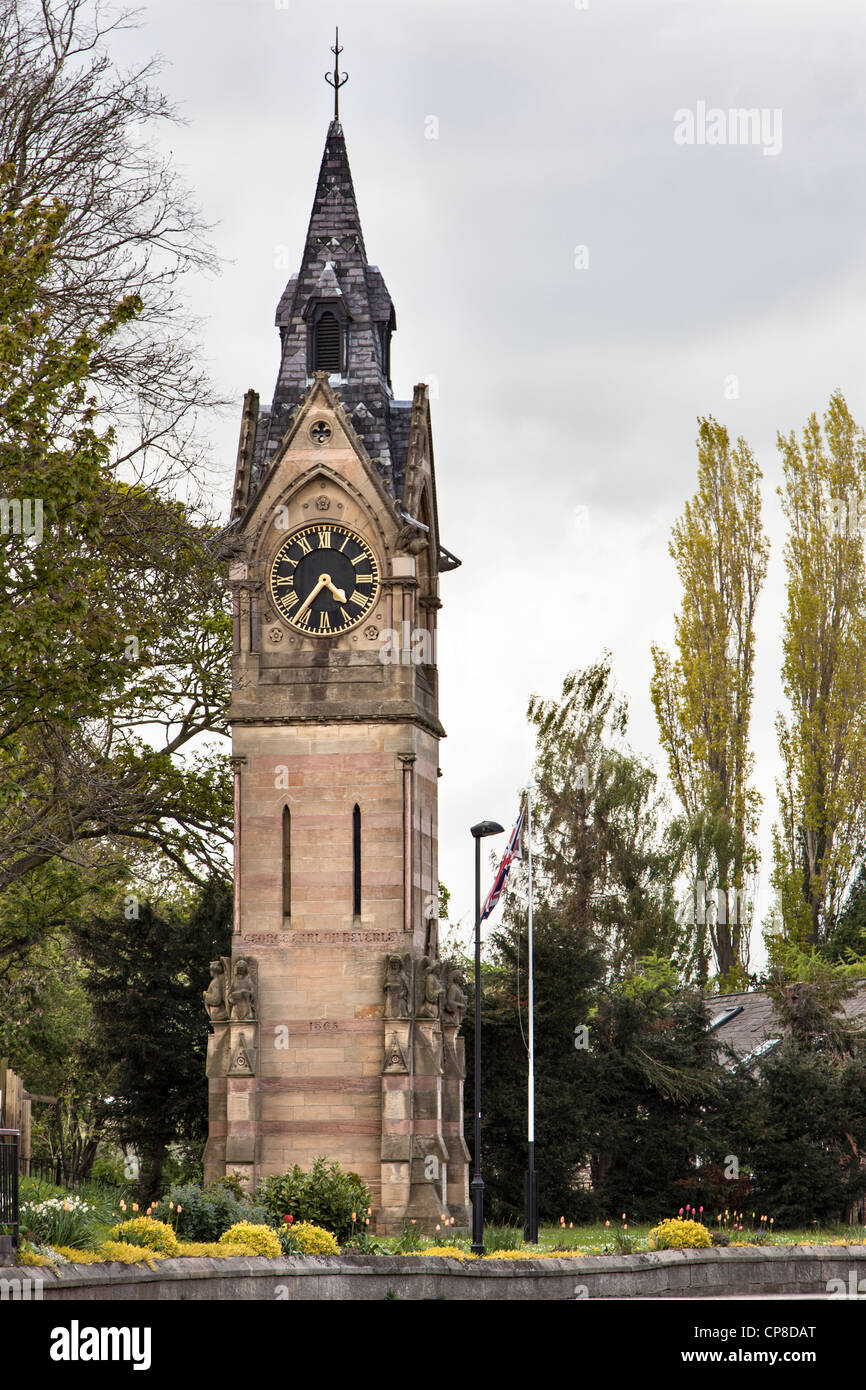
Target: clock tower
[[336, 1025]]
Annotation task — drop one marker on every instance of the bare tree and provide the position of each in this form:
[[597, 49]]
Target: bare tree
[[77, 130]]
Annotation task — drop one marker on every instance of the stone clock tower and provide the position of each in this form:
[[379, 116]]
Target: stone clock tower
[[335, 1023]]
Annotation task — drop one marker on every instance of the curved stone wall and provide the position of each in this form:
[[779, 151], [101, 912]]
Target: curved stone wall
[[717, 1273]]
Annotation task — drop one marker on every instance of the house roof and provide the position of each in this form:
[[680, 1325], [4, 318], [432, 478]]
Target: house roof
[[747, 1022]]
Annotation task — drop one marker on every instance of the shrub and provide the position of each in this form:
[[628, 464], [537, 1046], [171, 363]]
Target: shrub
[[514, 1255], [453, 1250], [26, 1255], [205, 1213], [326, 1196], [260, 1239], [214, 1249], [232, 1183], [679, 1235], [126, 1254], [144, 1231], [313, 1240], [109, 1171], [64, 1220]]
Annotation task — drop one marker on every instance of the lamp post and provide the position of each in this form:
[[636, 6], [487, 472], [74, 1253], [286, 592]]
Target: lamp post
[[476, 1190]]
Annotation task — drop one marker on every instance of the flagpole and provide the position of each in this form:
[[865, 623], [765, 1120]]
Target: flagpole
[[530, 1231]]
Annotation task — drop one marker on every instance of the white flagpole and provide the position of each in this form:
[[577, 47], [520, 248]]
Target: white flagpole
[[531, 1203]]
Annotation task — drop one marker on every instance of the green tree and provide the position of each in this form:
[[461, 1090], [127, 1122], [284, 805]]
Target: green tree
[[115, 622], [648, 1078], [703, 698], [568, 964], [846, 943], [822, 739], [602, 863], [144, 977]]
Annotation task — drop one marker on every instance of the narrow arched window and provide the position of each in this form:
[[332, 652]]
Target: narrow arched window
[[356, 861], [287, 862], [326, 343]]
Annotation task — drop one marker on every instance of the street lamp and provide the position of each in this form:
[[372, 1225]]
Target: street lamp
[[479, 832]]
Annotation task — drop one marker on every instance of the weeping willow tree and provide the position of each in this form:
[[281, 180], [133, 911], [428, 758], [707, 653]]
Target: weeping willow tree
[[703, 699]]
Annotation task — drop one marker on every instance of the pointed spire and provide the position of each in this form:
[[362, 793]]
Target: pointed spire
[[335, 278], [337, 79], [335, 209]]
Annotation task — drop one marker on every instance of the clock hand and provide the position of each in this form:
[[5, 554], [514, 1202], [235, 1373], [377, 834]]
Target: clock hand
[[324, 579], [338, 594]]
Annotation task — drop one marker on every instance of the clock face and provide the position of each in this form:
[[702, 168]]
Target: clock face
[[324, 580]]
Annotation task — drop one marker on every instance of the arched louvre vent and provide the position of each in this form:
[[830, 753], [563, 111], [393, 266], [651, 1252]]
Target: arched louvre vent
[[326, 355]]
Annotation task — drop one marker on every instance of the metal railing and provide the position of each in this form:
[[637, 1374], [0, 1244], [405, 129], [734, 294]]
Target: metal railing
[[9, 1182]]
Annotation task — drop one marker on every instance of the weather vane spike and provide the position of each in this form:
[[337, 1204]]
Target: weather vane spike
[[336, 79]]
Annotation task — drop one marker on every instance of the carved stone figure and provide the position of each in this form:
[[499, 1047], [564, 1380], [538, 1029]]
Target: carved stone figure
[[215, 994], [433, 990], [454, 1004], [241, 995], [396, 988]]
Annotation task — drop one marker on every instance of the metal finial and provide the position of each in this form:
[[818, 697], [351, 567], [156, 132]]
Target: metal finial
[[336, 79]]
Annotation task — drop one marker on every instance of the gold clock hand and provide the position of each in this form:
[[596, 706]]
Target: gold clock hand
[[338, 594], [324, 579]]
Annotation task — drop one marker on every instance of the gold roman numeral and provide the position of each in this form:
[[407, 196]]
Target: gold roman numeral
[[305, 545], [289, 600], [324, 623], [361, 599], [359, 559], [347, 617], [324, 540], [284, 581], [364, 579]]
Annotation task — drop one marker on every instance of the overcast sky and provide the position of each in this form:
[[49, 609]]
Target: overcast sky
[[566, 393]]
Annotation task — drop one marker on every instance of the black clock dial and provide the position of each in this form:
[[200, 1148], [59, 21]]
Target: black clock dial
[[324, 580]]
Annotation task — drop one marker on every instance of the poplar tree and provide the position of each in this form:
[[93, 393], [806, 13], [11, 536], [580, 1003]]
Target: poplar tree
[[821, 835], [703, 695]]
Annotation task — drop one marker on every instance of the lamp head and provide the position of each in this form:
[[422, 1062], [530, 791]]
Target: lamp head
[[486, 827]]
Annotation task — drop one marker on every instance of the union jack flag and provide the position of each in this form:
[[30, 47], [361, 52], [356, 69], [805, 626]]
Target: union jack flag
[[512, 852]]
